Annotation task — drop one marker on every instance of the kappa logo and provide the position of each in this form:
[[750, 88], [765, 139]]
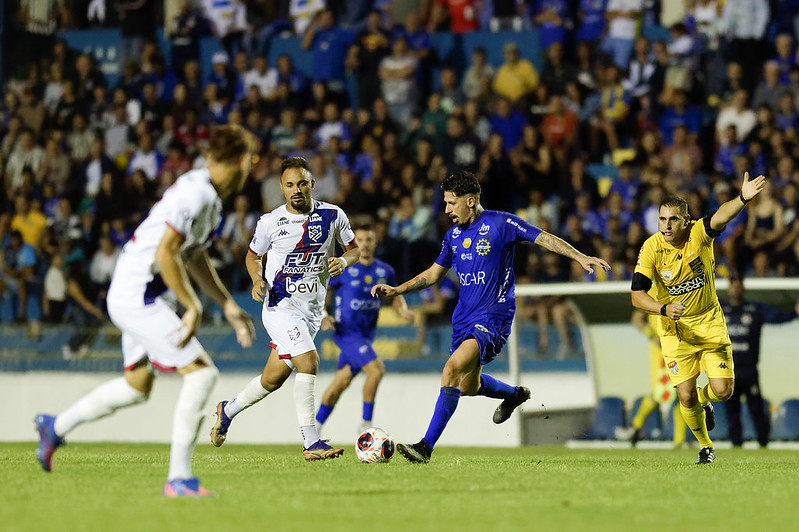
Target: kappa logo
[[294, 334], [723, 366], [314, 232], [484, 229], [283, 232], [673, 367]]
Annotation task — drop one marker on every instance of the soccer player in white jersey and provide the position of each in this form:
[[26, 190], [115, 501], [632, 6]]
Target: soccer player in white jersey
[[167, 248], [298, 239]]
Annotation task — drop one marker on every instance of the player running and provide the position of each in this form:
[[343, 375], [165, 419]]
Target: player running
[[298, 239], [167, 248], [480, 246], [679, 261], [355, 322]]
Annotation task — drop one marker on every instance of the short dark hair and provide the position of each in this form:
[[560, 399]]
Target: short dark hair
[[364, 226], [675, 201], [294, 162], [461, 183], [229, 143]]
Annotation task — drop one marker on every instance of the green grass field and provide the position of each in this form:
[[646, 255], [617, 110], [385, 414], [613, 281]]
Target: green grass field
[[117, 487]]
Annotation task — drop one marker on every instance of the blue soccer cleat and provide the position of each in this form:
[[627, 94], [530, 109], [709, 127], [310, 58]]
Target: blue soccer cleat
[[219, 430], [186, 487], [49, 441]]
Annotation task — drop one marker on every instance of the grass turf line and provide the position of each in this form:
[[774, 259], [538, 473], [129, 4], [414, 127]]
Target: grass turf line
[[118, 487]]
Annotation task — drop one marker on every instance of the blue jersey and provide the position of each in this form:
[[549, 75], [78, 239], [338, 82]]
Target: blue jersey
[[356, 309], [482, 256]]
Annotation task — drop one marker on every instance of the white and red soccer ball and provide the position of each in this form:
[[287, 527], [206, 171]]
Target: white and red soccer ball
[[374, 445]]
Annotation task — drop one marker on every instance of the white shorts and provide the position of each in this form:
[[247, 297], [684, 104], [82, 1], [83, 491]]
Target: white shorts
[[291, 331], [152, 332]]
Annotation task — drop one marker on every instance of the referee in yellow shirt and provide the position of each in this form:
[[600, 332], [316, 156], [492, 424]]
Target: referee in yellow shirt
[[678, 260]]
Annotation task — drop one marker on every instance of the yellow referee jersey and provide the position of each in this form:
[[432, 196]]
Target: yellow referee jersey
[[682, 273]]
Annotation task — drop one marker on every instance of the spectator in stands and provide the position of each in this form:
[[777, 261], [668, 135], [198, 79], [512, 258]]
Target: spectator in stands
[[261, 77], [68, 106], [452, 99], [330, 45], [94, 166], [495, 174], [517, 77], [459, 149], [85, 314], [397, 73], [551, 18], [770, 89], [79, 139], [591, 17], [614, 119], [41, 19], [676, 113], [27, 154], [56, 168], [477, 71], [87, 77], [228, 21], [365, 58], [31, 111], [765, 225], [683, 158], [283, 137], [54, 301], [146, 158], [736, 114], [622, 18], [19, 262], [461, 14], [743, 23], [137, 21], [508, 124], [186, 30]]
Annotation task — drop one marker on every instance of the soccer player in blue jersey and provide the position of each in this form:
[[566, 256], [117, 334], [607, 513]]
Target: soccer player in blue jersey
[[480, 246], [355, 321]]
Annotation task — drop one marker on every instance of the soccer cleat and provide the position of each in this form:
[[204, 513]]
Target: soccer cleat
[[186, 487], [506, 407], [219, 430], [49, 441], [710, 416], [416, 453], [321, 451], [707, 455]]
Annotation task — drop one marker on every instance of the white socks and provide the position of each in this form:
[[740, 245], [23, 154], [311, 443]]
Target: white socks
[[197, 386], [304, 402], [100, 402], [251, 394]]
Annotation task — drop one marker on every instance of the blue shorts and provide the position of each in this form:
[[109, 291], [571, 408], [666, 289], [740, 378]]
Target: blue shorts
[[356, 351], [489, 332]]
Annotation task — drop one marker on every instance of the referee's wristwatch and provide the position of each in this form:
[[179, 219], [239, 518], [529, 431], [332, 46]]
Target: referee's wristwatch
[[663, 310]]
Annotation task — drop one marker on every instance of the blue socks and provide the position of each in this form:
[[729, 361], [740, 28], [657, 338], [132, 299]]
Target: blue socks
[[445, 407], [324, 412], [496, 389], [368, 408]]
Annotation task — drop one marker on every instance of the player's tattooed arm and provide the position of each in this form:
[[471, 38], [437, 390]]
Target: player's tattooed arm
[[554, 244], [429, 277]]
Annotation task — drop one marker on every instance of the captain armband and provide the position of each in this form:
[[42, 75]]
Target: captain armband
[[641, 282]]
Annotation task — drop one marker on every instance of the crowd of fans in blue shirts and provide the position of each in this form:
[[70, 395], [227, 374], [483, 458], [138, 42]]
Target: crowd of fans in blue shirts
[[631, 102]]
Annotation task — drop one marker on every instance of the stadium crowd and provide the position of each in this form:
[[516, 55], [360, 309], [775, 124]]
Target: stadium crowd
[[634, 99]]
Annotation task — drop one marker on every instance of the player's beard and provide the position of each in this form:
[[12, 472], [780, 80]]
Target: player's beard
[[301, 204]]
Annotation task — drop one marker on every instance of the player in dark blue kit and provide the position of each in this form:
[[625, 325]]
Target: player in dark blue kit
[[480, 247], [745, 320], [355, 323]]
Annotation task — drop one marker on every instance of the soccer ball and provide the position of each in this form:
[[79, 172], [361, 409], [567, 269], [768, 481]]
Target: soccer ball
[[374, 445]]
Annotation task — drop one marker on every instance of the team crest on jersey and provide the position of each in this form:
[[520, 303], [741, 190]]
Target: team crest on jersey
[[467, 242], [673, 367], [367, 279], [294, 334], [315, 232], [483, 246], [484, 229], [667, 275], [456, 233]]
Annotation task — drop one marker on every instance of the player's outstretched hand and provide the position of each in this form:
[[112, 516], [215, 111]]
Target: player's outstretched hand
[[328, 323], [259, 290], [336, 266], [675, 310], [241, 322], [383, 290], [188, 326], [588, 262], [750, 189]]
